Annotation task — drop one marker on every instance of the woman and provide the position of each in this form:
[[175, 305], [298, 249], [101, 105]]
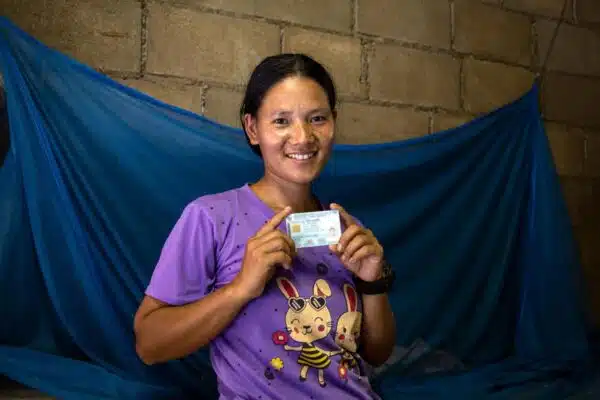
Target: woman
[[280, 322]]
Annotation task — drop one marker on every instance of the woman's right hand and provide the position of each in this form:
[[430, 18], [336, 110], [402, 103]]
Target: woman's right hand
[[268, 249]]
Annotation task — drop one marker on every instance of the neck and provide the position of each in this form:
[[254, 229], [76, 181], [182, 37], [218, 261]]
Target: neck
[[277, 195]]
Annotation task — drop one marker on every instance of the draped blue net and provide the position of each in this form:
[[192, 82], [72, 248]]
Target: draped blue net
[[487, 296]]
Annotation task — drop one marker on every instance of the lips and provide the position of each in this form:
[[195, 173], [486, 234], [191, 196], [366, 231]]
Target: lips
[[302, 156]]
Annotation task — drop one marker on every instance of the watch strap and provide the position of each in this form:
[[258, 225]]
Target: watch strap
[[380, 286]]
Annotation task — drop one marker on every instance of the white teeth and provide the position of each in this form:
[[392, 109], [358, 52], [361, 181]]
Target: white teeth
[[304, 156]]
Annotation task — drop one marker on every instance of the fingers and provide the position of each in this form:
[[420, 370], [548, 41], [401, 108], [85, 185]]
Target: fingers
[[359, 241], [274, 222], [277, 243], [346, 218], [348, 235], [362, 252], [279, 258], [276, 236]]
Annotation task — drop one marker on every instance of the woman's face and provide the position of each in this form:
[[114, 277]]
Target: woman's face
[[294, 128]]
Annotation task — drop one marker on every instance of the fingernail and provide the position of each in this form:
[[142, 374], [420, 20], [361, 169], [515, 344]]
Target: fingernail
[[340, 247]]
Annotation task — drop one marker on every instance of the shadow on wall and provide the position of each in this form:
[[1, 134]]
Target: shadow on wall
[[3, 127]]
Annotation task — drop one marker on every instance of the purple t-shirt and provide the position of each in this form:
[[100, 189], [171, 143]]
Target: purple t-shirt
[[299, 339]]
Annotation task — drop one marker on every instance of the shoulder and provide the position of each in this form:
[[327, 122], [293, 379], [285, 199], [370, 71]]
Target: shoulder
[[215, 207]]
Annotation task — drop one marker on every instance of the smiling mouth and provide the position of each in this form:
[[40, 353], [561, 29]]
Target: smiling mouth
[[302, 156]]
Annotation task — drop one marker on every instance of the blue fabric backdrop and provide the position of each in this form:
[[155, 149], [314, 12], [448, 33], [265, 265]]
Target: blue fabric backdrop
[[473, 221]]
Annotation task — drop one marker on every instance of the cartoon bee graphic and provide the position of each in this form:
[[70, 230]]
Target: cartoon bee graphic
[[347, 333], [308, 320]]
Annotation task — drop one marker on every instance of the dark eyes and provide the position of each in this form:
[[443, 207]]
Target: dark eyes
[[318, 119]]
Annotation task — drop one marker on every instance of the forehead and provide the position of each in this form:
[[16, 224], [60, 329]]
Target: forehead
[[295, 93]]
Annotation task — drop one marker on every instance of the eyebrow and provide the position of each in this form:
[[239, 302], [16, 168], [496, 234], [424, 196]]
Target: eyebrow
[[314, 111]]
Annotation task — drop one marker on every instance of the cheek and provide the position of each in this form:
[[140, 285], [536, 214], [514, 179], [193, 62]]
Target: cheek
[[326, 136], [321, 328], [272, 144]]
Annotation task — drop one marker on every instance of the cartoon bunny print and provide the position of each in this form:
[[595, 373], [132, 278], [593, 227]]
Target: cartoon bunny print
[[307, 320], [348, 333]]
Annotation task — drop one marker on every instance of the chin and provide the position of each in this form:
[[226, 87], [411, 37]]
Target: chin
[[298, 173], [301, 180], [302, 177]]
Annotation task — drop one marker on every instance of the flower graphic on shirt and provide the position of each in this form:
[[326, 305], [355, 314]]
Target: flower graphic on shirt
[[280, 338], [277, 363]]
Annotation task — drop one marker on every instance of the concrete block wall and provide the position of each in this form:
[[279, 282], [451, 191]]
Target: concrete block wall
[[404, 68]]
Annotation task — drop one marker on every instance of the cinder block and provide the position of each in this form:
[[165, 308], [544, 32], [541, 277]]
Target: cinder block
[[341, 55], [572, 99], [414, 77], [188, 43], [103, 34], [362, 124], [568, 149], [549, 8], [184, 96], [223, 106], [577, 194], [416, 21], [493, 32], [588, 10], [588, 238], [330, 14], [444, 121], [592, 158], [576, 49], [489, 85]]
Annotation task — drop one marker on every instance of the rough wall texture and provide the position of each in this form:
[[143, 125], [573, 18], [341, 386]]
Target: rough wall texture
[[404, 67]]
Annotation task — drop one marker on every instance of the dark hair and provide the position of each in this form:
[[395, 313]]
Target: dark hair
[[274, 69]]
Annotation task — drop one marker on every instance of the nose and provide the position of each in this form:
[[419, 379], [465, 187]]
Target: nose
[[302, 133], [306, 326]]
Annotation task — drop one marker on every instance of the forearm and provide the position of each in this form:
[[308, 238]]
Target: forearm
[[174, 332], [378, 330]]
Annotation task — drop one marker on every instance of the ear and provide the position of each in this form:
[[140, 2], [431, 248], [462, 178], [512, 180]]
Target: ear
[[321, 288], [250, 128], [351, 298], [287, 288]]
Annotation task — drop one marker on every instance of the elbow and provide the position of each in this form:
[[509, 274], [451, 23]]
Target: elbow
[[377, 354], [145, 353], [377, 360], [145, 347]]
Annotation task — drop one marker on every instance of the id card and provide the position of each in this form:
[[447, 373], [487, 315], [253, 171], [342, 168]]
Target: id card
[[311, 229]]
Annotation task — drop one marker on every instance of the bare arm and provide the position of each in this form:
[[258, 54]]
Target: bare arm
[[378, 330], [165, 332]]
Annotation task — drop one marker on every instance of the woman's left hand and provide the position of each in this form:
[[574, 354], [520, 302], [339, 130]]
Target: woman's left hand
[[358, 249]]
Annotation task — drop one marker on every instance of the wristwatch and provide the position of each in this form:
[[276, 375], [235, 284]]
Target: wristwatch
[[380, 286]]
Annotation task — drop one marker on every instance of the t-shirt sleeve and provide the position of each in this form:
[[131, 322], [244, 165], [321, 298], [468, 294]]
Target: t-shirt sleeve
[[186, 268]]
